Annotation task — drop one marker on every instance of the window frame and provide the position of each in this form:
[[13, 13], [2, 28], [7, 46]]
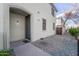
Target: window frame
[[43, 24], [53, 26], [52, 12]]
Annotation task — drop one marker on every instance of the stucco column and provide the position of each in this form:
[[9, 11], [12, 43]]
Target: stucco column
[[6, 37], [1, 26]]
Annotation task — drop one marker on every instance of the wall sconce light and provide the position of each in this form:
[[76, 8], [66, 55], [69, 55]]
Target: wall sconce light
[[17, 21]]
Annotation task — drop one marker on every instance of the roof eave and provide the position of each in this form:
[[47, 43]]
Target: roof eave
[[53, 6]]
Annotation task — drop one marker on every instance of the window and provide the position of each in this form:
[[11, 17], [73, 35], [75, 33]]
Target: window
[[44, 24], [52, 12], [53, 26]]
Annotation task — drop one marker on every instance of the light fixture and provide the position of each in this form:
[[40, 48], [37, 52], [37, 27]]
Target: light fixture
[[17, 21]]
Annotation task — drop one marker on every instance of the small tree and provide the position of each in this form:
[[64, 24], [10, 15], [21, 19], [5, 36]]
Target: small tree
[[72, 14]]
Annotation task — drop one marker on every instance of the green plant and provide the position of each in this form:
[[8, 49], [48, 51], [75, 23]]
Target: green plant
[[5, 52], [73, 31]]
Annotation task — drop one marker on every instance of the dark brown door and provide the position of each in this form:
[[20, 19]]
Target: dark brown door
[[59, 31]]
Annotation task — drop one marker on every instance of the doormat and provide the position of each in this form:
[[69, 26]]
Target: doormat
[[25, 41]]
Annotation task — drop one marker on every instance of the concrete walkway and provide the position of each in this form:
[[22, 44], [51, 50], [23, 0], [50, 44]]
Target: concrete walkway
[[29, 50], [58, 45]]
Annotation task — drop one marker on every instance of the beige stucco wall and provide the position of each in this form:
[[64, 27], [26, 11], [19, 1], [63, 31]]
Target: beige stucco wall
[[44, 10]]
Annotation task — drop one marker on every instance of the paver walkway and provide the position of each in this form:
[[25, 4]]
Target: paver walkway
[[58, 45]]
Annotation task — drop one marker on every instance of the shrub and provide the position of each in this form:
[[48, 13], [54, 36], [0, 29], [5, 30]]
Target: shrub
[[73, 31], [5, 52]]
